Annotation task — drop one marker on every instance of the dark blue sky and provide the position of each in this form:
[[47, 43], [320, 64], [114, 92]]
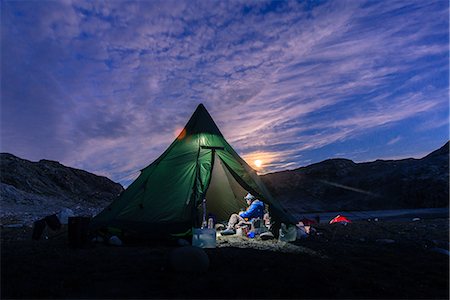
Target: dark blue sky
[[105, 86]]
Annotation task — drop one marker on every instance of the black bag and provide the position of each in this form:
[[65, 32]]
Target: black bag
[[53, 222], [38, 229], [78, 231]]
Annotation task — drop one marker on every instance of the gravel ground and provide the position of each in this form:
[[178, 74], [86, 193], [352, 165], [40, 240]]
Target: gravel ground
[[389, 260]]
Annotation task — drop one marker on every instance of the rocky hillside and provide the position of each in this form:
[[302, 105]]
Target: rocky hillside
[[29, 189], [341, 184]]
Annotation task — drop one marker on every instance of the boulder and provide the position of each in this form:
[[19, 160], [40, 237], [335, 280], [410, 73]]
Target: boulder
[[189, 259]]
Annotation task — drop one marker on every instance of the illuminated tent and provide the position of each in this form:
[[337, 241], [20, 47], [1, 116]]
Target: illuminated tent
[[166, 198]]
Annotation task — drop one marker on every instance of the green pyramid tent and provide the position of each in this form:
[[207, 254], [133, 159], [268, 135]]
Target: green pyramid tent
[[167, 196]]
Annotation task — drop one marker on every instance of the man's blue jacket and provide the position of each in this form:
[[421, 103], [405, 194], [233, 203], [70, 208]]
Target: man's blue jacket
[[255, 210]]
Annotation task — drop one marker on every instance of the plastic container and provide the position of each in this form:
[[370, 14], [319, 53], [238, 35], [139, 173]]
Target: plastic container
[[239, 232], [245, 230], [204, 237], [210, 223]]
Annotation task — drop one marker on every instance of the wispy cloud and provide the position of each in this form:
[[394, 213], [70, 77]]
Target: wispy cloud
[[104, 85], [394, 140]]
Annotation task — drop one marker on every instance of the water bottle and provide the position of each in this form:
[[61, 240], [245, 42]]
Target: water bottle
[[210, 223]]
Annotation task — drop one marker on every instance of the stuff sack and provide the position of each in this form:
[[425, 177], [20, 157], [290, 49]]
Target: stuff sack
[[288, 233]]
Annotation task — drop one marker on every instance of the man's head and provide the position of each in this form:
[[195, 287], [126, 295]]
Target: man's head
[[249, 198]]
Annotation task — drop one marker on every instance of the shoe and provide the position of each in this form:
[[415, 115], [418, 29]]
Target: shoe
[[228, 232], [219, 227], [266, 236]]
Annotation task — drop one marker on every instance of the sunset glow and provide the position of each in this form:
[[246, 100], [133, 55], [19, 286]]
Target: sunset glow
[[258, 163], [261, 161]]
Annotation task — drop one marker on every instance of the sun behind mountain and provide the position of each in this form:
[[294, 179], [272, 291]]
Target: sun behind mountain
[[258, 163]]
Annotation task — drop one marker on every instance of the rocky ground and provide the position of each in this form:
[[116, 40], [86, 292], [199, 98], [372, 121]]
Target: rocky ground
[[362, 260]]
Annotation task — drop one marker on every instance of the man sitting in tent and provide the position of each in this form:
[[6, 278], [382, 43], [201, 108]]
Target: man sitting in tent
[[255, 210]]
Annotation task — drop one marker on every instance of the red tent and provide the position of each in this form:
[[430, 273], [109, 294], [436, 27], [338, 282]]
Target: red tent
[[340, 219]]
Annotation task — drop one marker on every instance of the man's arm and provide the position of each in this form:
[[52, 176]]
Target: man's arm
[[251, 210]]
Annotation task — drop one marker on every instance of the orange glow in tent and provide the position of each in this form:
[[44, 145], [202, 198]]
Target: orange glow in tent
[[180, 134]]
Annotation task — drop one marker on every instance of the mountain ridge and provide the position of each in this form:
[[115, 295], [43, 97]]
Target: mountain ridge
[[35, 189], [32, 189], [341, 184]]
